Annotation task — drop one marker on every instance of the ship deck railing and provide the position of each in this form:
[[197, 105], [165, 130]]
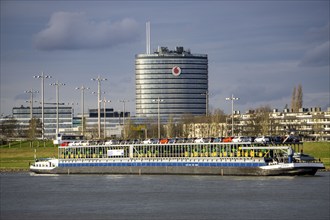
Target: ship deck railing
[[173, 150]]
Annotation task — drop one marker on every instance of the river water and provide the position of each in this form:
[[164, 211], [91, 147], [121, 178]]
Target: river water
[[27, 196]]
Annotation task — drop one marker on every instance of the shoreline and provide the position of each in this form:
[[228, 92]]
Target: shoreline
[[14, 170]]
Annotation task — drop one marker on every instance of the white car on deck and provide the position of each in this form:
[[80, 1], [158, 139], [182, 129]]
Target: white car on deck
[[240, 139], [262, 139]]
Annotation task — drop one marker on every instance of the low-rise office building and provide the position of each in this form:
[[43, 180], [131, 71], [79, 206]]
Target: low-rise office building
[[23, 116], [111, 122]]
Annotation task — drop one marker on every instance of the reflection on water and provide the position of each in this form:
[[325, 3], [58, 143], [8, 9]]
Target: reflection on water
[[42, 175], [26, 196]]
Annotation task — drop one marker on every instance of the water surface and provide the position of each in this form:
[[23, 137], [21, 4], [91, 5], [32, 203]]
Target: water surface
[[26, 196]]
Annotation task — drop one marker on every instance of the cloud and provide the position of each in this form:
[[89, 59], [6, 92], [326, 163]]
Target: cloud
[[317, 56], [74, 31]]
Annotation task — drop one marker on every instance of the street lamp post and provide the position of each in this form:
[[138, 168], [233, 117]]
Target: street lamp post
[[158, 100], [104, 116], [232, 99], [31, 101], [31, 107], [42, 77], [57, 84], [124, 101], [82, 89], [99, 79]]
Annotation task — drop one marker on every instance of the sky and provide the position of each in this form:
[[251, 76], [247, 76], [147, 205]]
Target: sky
[[257, 50]]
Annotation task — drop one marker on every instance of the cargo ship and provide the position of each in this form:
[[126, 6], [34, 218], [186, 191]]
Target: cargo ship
[[235, 159]]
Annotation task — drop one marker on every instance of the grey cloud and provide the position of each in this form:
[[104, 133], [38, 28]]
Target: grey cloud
[[317, 56], [73, 31]]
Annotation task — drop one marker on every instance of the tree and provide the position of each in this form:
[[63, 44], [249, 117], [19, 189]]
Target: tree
[[259, 122], [297, 98], [218, 116], [35, 128], [185, 121], [262, 115], [293, 99], [93, 132], [170, 127], [9, 127]]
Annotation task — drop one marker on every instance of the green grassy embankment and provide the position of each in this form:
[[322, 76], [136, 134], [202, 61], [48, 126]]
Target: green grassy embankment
[[18, 155], [320, 150]]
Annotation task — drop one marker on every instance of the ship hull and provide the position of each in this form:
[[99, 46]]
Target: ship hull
[[172, 170]]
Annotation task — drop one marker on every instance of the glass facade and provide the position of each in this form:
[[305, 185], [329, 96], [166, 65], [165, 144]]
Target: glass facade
[[175, 79], [65, 115]]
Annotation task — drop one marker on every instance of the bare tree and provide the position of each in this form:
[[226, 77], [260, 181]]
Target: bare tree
[[35, 128], [92, 132], [264, 119], [299, 98], [218, 116], [170, 127], [185, 121], [173, 128], [293, 99], [259, 122]]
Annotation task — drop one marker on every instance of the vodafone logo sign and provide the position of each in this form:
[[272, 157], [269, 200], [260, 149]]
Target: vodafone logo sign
[[176, 71]]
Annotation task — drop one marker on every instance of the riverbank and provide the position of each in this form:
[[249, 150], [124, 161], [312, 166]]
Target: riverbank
[[16, 156]]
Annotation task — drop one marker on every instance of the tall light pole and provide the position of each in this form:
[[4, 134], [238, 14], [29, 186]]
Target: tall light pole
[[42, 77], [31, 91], [104, 116], [158, 100], [31, 107], [99, 79], [57, 84], [207, 102], [124, 101], [82, 89], [232, 99]]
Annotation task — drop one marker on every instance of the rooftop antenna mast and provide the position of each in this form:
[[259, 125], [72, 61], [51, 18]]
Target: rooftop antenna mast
[[148, 37]]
